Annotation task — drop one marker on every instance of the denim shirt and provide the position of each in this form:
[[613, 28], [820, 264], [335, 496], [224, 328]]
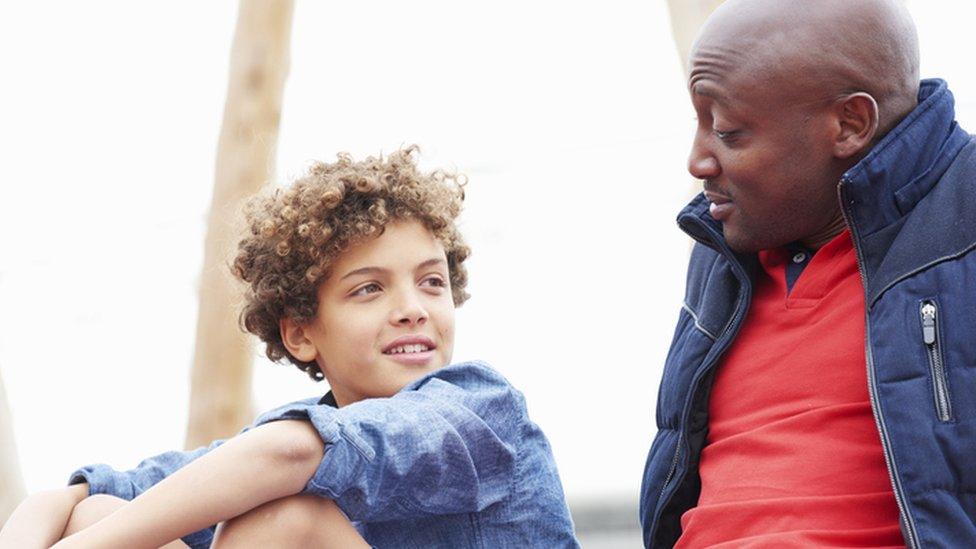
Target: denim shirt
[[452, 460]]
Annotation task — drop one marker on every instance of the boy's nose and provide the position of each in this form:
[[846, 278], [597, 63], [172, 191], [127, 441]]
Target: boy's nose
[[410, 311]]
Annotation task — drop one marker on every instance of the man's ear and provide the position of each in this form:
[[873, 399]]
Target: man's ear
[[296, 339], [856, 124]]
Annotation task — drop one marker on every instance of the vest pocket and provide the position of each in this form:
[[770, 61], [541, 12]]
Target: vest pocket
[[929, 313]]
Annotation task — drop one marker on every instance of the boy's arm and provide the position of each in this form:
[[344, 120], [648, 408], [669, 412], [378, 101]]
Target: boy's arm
[[260, 465], [127, 485], [39, 520]]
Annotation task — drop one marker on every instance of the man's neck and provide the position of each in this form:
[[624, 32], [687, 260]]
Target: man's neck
[[817, 240]]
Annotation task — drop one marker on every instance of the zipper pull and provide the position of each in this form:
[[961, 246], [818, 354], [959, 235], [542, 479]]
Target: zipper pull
[[928, 323]]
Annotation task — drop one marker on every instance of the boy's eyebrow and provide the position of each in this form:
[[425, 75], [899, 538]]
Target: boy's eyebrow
[[370, 270], [431, 262], [364, 270]]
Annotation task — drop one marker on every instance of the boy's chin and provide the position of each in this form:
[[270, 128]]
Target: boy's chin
[[408, 374]]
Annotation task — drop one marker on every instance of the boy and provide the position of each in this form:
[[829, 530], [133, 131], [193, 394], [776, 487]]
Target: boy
[[353, 275]]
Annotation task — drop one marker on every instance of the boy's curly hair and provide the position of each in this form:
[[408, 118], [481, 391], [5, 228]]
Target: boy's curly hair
[[293, 235]]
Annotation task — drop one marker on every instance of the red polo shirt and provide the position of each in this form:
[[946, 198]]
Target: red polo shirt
[[793, 457]]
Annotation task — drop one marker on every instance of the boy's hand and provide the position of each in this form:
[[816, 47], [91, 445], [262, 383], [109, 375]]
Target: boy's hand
[[39, 520]]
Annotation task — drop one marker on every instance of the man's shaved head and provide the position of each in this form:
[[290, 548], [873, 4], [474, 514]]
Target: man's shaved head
[[789, 96], [816, 50]]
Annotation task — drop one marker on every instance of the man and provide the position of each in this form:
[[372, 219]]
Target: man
[[821, 385]]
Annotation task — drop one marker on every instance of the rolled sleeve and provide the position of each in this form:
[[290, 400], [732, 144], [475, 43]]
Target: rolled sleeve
[[128, 485], [443, 445], [103, 479]]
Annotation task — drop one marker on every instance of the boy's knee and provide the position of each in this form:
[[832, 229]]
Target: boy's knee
[[296, 513], [294, 519], [91, 510]]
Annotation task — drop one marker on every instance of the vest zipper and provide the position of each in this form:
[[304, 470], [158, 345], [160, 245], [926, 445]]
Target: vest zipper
[[930, 336], [674, 466], [908, 523], [723, 342]]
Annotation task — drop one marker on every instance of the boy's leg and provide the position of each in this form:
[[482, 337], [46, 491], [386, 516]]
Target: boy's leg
[[294, 521], [94, 508]]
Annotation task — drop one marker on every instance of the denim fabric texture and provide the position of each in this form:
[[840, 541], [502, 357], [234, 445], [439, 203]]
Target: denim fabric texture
[[911, 207], [452, 460]]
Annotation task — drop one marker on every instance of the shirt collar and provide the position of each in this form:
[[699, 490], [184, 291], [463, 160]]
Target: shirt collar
[[329, 400]]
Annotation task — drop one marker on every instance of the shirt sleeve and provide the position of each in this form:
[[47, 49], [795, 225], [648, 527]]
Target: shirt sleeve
[[103, 479], [445, 444]]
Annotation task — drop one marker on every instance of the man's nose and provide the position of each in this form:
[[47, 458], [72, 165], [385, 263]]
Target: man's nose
[[702, 164], [409, 310]]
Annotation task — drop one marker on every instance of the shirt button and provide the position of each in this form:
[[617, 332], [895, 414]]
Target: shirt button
[[799, 257]]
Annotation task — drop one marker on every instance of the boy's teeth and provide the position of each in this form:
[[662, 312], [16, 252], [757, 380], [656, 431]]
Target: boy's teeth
[[416, 348]]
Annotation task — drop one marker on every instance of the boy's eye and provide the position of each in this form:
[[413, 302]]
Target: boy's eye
[[433, 281], [367, 289]]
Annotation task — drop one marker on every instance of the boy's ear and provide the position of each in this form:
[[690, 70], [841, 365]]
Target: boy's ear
[[296, 340]]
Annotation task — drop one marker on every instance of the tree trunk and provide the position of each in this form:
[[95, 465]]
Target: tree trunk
[[687, 17], [11, 480], [220, 395]]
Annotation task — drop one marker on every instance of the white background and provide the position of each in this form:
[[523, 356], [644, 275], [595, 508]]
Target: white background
[[570, 119]]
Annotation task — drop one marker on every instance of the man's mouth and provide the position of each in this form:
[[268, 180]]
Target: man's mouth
[[716, 198], [721, 206]]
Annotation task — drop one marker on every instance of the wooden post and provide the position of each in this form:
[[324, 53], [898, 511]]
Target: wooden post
[[687, 17], [220, 395], [12, 490]]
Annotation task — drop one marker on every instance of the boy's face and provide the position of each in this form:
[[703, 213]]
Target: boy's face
[[385, 314]]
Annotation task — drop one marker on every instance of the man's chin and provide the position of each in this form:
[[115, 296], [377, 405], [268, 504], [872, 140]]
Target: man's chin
[[745, 243]]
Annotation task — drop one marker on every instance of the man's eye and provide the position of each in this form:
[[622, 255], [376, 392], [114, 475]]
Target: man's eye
[[725, 136], [370, 288]]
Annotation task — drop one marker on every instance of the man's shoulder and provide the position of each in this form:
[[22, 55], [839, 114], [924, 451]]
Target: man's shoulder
[[953, 194], [965, 161], [939, 230]]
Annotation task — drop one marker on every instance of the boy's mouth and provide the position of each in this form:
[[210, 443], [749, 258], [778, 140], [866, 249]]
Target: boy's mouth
[[409, 344], [416, 350]]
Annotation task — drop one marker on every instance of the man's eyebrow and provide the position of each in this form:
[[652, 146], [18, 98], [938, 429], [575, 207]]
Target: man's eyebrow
[[699, 88]]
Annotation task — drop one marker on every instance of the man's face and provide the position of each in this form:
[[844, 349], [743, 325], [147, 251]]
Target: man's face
[[385, 314], [764, 157]]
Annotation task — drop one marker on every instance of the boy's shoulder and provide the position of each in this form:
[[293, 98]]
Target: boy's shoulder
[[292, 410], [474, 385], [471, 375]]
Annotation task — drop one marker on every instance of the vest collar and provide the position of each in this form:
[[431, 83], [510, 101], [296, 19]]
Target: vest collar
[[904, 166]]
